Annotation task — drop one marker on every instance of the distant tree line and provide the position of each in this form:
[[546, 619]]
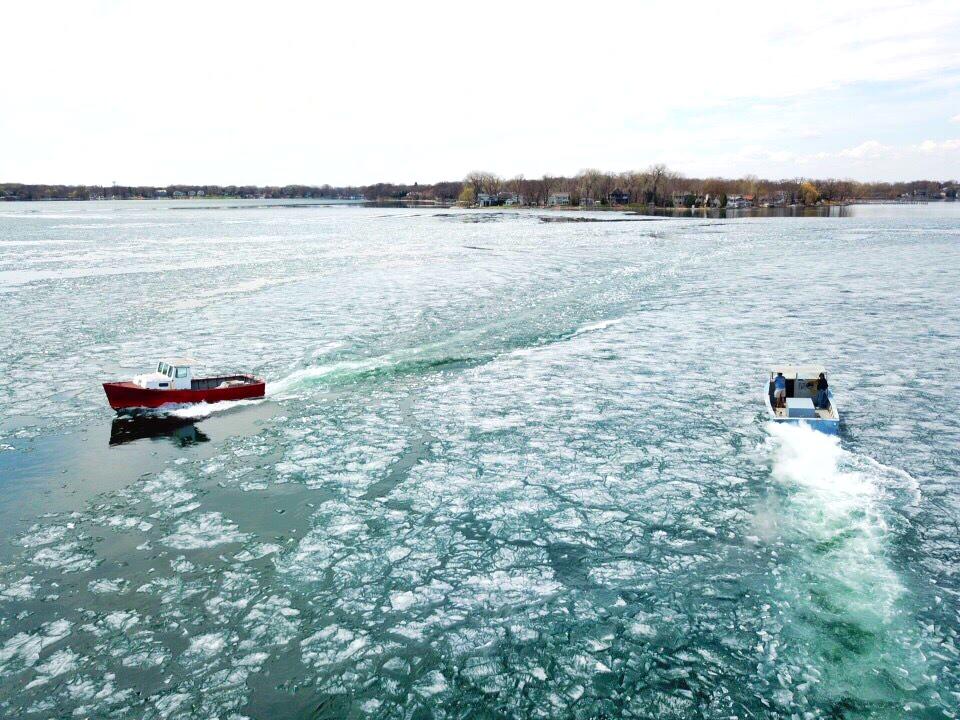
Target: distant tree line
[[659, 186], [20, 191], [656, 185]]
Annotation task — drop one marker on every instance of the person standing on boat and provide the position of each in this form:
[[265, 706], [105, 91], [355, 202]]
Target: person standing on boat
[[823, 399], [779, 390]]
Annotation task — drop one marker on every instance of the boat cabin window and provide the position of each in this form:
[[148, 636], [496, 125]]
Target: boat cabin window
[[182, 371], [162, 368], [169, 371]]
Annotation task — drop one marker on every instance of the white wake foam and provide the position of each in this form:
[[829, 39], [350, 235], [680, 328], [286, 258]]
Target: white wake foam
[[835, 507], [198, 411]]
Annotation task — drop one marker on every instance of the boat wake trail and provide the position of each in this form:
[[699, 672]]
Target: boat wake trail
[[840, 606], [286, 385], [444, 354]]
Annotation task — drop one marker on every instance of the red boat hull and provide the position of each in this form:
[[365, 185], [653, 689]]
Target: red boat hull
[[127, 395]]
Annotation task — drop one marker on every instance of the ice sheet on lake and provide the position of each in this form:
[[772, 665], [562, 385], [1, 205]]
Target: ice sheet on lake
[[533, 478]]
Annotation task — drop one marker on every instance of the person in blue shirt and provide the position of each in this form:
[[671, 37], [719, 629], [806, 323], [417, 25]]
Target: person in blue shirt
[[779, 390]]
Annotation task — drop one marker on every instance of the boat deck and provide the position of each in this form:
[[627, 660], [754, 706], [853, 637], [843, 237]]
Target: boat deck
[[211, 383], [828, 414]]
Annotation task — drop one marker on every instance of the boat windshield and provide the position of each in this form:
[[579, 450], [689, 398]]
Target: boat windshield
[[160, 368]]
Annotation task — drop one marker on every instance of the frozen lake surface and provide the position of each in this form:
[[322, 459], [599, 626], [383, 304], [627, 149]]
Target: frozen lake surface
[[505, 468]]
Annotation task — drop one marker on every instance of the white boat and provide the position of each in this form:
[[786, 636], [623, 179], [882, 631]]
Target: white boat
[[799, 406]]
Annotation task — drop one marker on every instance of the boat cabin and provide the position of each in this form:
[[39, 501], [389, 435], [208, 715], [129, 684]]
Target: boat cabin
[[801, 393], [171, 374]]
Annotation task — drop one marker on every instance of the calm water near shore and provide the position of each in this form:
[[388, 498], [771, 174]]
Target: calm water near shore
[[505, 468]]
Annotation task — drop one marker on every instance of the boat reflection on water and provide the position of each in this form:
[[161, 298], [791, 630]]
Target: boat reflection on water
[[180, 431]]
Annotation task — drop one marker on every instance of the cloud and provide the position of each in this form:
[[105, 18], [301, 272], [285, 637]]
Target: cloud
[[931, 146], [955, 118], [869, 150]]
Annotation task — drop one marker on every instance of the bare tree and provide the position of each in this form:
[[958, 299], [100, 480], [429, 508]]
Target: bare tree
[[483, 182], [516, 185], [655, 178], [588, 183]]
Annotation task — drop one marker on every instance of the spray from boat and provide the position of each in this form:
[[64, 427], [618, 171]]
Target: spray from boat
[[839, 598]]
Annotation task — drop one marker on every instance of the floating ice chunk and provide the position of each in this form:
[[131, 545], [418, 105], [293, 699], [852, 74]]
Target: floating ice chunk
[[205, 530], [396, 665], [395, 554], [272, 622], [150, 657], [402, 600], [253, 485], [43, 535], [27, 647], [332, 645], [68, 557], [181, 565], [253, 660], [565, 520], [44, 707], [207, 645], [256, 552], [641, 629], [62, 661], [619, 572], [166, 705], [433, 683], [81, 689], [22, 589], [181, 509], [121, 620], [128, 523], [509, 587], [103, 585]]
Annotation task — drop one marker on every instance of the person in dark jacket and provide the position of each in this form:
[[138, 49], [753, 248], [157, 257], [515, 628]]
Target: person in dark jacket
[[823, 399]]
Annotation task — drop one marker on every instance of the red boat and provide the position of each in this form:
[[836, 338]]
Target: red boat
[[173, 382]]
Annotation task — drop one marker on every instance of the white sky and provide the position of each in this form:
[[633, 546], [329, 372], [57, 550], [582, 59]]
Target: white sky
[[283, 92]]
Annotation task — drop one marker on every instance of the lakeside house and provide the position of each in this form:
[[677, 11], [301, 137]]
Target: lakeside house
[[618, 197], [559, 198], [736, 202], [777, 199]]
